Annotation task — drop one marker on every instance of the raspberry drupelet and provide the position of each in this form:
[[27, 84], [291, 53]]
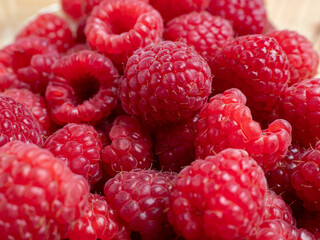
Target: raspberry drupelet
[[165, 82], [206, 33], [52, 27], [225, 121], [84, 89], [74, 8], [18, 123], [118, 27], [130, 147], [40, 197], [257, 65], [246, 16], [140, 197], [220, 197]]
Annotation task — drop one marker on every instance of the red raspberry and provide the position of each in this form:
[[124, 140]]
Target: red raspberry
[[246, 16], [255, 64], [311, 222], [8, 79], [165, 82], [130, 147], [175, 145], [73, 8], [140, 196], [37, 106], [303, 58], [300, 105], [226, 122], [40, 197], [84, 90], [206, 33], [220, 197], [79, 146], [18, 123], [52, 27], [118, 27], [170, 9]]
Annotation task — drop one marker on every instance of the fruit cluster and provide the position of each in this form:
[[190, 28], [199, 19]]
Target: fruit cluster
[[159, 119]]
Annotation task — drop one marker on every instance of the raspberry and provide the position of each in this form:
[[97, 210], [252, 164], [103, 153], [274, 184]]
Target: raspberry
[[118, 27], [300, 105], [73, 8], [79, 146], [175, 145], [84, 90], [220, 197], [18, 123], [246, 16], [40, 197], [255, 64], [225, 122], [165, 82], [303, 58], [206, 33], [130, 147], [140, 196], [170, 9], [37, 106], [311, 222], [8, 79], [51, 27]]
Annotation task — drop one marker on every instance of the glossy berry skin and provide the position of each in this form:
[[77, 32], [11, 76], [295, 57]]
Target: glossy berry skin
[[84, 90], [220, 197], [40, 196], [246, 16], [300, 105], [73, 8], [303, 58], [140, 196], [116, 28], [225, 121], [170, 9], [165, 82], [52, 27], [18, 123], [79, 146], [206, 33], [255, 64], [130, 147]]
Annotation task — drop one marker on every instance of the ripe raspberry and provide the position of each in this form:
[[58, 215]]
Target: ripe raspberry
[[311, 222], [84, 90], [73, 8], [140, 196], [206, 33], [37, 106], [8, 79], [165, 82], [220, 197], [40, 197], [52, 27], [79, 146], [130, 147], [300, 105], [303, 58], [170, 9], [255, 64], [246, 16], [175, 145], [18, 123], [226, 122], [118, 27]]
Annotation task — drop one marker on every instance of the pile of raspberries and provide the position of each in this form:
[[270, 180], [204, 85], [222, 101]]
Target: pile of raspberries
[[159, 120]]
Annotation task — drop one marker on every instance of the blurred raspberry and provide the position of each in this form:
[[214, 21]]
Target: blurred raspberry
[[79, 146], [206, 33], [246, 16], [225, 121], [40, 197], [84, 90], [165, 82], [118, 27], [52, 27], [220, 197], [303, 58], [9, 79], [73, 8]]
